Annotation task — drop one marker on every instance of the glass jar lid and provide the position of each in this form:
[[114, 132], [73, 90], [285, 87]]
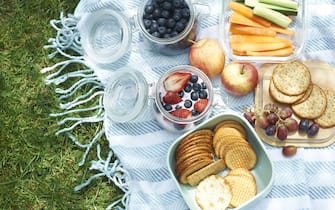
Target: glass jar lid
[[126, 95], [105, 35]]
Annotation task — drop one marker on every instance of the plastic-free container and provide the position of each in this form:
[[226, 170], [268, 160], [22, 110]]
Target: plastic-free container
[[127, 94], [298, 25], [263, 171], [106, 35]]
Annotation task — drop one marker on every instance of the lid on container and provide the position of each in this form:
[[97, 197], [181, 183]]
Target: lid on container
[[126, 95], [105, 35]]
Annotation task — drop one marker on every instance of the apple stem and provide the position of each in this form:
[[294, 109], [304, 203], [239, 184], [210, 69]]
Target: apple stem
[[192, 41]]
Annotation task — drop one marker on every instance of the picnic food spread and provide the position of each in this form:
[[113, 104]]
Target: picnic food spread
[[219, 162]]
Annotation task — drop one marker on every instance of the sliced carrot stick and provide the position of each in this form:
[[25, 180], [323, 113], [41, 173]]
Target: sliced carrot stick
[[282, 30], [280, 52], [242, 20], [251, 46], [239, 52], [237, 38], [240, 29], [247, 12]]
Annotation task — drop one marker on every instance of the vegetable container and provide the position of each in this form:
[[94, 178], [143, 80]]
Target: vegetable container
[[127, 94], [298, 25]]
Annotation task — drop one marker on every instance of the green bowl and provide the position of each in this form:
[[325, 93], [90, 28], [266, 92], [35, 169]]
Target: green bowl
[[263, 171]]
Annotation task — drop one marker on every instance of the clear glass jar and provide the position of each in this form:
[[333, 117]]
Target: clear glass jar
[[127, 94], [170, 45]]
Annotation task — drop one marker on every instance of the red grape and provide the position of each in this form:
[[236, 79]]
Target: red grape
[[291, 124], [272, 118], [282, 132], [262, 122], [285, 113], [304, 125], [250, 117], [272, 108], [270, 130], [313, 129]]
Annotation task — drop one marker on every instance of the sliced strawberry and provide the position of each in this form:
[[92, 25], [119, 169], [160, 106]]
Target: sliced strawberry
[[176, 81], [181, 113], [171, 98], [201, 105]]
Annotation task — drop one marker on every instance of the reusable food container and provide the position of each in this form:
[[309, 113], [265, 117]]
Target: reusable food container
[[127, 94], [263, 171], [106, 34], [298, 25]]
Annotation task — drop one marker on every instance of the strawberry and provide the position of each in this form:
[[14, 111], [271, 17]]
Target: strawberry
[[201, 105], [171, 98], [181, 113], [176, 81]]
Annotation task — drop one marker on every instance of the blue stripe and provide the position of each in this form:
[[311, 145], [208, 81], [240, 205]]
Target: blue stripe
[[322, 192], [318, 166], [288, 191], [134, 129], [150, 175]]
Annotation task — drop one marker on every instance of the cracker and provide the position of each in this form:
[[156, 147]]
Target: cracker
[[240, 156], [193, 161], [281, 97], [292, 78], [193, 168], [191, 153], [226, 131], [231, 124], [242, 189], [313, 106], [213, 193], [306, 94], [197, 142], [211, 169], [327, 119]]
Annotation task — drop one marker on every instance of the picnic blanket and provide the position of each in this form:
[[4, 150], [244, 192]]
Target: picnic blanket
[[302, 182]]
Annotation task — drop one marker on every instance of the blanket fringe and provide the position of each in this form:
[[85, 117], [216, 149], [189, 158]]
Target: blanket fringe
[[68, 39]]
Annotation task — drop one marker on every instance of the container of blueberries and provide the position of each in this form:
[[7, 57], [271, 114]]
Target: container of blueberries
[[183, 97], [168, 26]]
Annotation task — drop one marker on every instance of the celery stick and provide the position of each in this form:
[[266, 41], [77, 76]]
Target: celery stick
[[283, 3], [283, 10], [273, 16], [251, 3]]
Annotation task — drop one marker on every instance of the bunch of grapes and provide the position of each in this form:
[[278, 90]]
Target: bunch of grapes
[[274, 120]]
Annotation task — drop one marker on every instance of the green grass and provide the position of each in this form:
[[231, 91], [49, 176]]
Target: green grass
[[39, 170]]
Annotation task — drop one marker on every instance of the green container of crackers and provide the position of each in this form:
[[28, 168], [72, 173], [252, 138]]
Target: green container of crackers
[[223, 156]]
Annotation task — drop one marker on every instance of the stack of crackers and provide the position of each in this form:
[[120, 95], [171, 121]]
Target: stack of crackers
[[203, 154], [291, 84]]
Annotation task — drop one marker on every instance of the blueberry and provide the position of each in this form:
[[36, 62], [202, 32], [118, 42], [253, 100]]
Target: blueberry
[[167, 107], [187, 103], [153, 27], [188, 87], [203, 85], [194, 112], [181, 94], [174, 33], [194, 78], [156, 13], [203, 94], [166, 36], [195, 96], [148, 16], [196, 87], [147, 23], [166, 5], [165, 14], [179, 27], [185, 12], [177, 16], [149, 9], [156, 34], [162, 30], [184, 21], [162, 21], [177, 3], [178, 107], [171, 23]]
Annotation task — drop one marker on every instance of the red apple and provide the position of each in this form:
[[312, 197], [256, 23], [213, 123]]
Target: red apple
[[207, 55], [239, 78]]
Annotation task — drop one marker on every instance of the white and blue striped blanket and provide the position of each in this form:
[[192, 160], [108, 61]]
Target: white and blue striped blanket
[[303, 182]]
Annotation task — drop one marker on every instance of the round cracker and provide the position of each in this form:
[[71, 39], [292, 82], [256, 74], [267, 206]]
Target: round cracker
[[213, 193], [306, 94], [281, 97], [232, 124], [192, 145], [192, 153], [242, 189], [193, 168], [192, 160], [313, 106], [327, 119], [292, 78], [240, 156]]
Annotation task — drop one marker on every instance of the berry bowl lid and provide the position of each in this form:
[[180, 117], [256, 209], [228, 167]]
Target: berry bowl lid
[[125, 95], [105, 35]]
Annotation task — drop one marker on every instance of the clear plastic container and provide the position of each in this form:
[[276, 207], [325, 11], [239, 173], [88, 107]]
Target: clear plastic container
[[298, 25], [127, 94]]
